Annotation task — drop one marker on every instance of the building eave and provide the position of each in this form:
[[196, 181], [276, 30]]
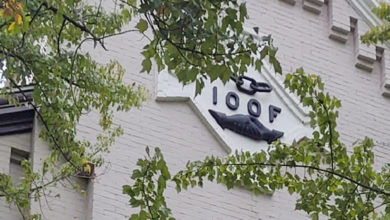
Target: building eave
[[16, 119]]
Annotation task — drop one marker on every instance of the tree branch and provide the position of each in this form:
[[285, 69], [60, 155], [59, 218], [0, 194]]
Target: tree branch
[[76, 24], [144, 193], [189, 49], [45, 124], [59, 37], [314, 168]]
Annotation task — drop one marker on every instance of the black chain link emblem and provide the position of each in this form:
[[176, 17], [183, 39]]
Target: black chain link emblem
[[253, 87]]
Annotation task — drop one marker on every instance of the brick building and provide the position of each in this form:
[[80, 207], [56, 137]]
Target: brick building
[[322, 36]]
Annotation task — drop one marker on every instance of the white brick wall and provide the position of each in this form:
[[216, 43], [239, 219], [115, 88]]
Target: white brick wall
[[69, 205], [60, 202], [18, 141], [303, 40]]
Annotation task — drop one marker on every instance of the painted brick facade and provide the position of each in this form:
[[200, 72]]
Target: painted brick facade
[[321, 36], [7, 143]]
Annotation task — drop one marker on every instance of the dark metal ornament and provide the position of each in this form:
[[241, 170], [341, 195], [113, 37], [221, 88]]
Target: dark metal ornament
[[247, 126], [253, 87]]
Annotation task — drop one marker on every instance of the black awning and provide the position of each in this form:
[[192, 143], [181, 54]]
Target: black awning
[[16, 120]]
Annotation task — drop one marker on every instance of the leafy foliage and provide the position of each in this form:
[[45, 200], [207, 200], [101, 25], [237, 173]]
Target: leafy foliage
[[328, 180], [379, 33], [147, 192], [40, 42], [18, 194], [199, 40]]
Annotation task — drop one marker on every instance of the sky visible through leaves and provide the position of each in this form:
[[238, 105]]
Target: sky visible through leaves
[[2, 68]]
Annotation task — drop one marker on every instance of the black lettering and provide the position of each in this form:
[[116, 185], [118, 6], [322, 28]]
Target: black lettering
[[273, 112], [229, 104], [254, 103], [215, 92]]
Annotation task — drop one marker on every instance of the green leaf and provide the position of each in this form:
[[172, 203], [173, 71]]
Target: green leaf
[[134, 217], [146, 65], [142, 25]]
